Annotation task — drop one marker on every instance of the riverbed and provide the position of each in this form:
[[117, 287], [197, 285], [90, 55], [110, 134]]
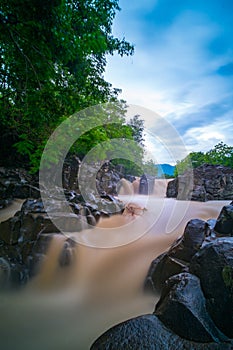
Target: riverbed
[[68, 308]]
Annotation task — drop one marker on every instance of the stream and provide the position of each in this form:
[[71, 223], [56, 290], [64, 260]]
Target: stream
[[69, 307]]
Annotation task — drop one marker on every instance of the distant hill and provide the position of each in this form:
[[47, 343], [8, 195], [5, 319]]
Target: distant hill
[[165, 169]]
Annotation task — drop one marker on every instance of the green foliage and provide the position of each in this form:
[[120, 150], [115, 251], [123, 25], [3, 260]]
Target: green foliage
[[138, 167], [130, 167], [221, 154], [182, 166], [137, 125], [149, 168], [167, 176], [52, 60]]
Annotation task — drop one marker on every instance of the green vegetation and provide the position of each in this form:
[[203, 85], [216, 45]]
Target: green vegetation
[[53, 56], [149, 168], [221, 154], [138, 167]]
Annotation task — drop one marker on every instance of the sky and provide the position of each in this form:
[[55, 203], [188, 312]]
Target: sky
[[182, 68]]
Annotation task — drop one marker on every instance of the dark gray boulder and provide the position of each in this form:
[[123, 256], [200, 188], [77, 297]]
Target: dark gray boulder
[[194, 235], [177, 258], [213, 264], [146, 184], [182, 308], [147, 332], [68, 253], [160, 270], [224, 223], [172, 188]]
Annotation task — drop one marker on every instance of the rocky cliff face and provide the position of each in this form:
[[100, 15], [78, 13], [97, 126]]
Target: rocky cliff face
[[206, 182]]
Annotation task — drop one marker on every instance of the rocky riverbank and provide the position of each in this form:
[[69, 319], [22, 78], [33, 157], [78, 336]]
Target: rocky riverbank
[[204, 183], [25, 237], [195, 279]]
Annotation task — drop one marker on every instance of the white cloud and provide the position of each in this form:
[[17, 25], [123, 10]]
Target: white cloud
[[176, 66], [173, 73], [206, 137]]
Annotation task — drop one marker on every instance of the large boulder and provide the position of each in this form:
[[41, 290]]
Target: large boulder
[[172, 188], [182, 308], [68, 253], [147, 332], [224, 224], [178, 257], [213, 264], [146, 184], [206, 182]]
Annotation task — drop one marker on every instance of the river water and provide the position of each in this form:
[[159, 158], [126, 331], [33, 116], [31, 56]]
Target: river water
[[69, 307]]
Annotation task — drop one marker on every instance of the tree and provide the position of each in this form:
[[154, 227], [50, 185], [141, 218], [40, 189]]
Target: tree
[[221, 154], [53, 56], [137, 125], [150, 168]]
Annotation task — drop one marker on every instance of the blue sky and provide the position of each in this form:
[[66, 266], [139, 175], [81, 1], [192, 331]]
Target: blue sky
[[182, 67]]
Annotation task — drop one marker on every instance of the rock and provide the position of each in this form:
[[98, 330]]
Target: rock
[[91, 220], [10, 230], [224, 224], [177, 258], [160, 270], [61, 222], [211, 223], [107, 181], [24, 191], [70, 172], [146, 185], [182, 309], [206, 182], [172, 188], [67, 255], [5, 271], [21, 242], [213, 264], [194, 235], [130, 178], [17, 183], [147, 332], [33, 206], [5, 202]]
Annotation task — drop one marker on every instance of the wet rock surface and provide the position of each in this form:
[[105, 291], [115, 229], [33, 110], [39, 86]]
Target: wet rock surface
[[224, 223], [213, 264], [147, 332], [17, 183], [183, 303], [68, 253], [206, 182], [178, 257], [146, 184]]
